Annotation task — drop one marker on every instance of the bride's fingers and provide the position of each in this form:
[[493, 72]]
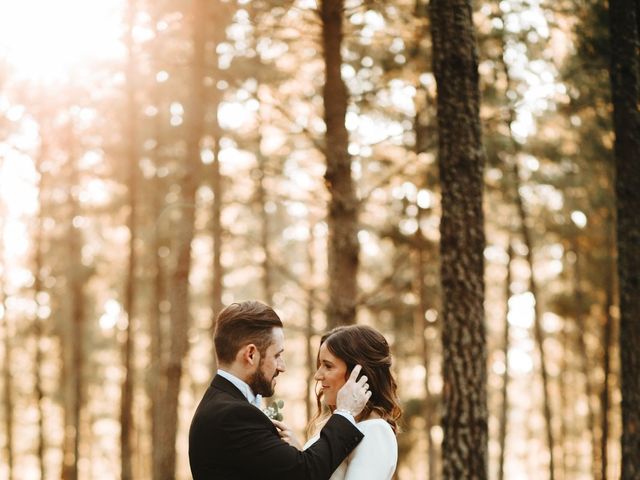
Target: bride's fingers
[[354, 373], [280, 425]]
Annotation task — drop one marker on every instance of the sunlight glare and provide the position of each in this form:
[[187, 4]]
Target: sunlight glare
[[45, 40], [579, 218], [521, 310], [112, 311]]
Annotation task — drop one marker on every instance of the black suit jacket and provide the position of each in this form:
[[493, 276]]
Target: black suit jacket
[[230, 439]]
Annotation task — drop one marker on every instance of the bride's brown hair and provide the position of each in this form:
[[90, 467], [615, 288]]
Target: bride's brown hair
[[363, 345]]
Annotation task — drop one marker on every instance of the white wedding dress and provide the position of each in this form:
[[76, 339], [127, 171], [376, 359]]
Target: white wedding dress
[[374, 458]]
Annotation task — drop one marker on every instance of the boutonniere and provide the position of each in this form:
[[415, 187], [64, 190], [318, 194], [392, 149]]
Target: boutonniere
[[273, 410]]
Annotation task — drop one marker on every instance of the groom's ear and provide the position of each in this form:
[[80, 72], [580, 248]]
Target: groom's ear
[[250, 354]]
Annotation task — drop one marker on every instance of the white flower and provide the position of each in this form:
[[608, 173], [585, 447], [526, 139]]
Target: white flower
[[273, 410]]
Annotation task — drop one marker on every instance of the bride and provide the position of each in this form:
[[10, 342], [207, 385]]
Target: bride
[[341, 349]]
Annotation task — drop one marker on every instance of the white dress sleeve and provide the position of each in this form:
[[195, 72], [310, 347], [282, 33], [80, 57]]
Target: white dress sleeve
[[376, 456]]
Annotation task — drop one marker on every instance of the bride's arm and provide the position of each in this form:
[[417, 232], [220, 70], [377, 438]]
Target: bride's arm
[[376, 456]]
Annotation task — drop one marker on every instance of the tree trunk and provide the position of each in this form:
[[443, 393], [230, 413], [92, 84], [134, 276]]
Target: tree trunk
[[567, 413], [526, 235], [74, 344], [537, 326], [607, 337], [7, 378], [184, 232], [625, 92], [421, 326], [126, 401], [38, 288], [155, 381], [216, 233], [310, 302], [261, 198], [584, 360], [343, 248], [504, 412], [217, 284], [462, 244]]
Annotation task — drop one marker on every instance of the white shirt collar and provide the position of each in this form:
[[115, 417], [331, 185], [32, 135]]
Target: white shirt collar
[[243, 387]]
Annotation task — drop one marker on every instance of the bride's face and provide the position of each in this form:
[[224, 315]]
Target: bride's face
[[331, 375]]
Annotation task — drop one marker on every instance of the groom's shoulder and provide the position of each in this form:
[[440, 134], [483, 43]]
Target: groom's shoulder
[[220, 405]]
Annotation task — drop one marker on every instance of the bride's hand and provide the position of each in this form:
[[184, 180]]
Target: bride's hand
[[287, 434], [354, 395]]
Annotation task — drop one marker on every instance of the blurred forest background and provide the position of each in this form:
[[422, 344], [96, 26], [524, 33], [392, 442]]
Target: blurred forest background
[[161, 159]]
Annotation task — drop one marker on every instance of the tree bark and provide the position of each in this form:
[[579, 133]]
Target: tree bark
[[342, 221], [625, 92], [126, 401], [462, 244]]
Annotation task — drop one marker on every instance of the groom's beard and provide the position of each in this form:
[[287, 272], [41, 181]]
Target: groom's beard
[[261, 384]]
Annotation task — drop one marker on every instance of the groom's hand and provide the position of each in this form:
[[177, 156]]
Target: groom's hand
[[353, 395]]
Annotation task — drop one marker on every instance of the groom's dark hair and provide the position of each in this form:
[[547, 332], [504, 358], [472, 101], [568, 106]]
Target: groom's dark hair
[[243, 323]]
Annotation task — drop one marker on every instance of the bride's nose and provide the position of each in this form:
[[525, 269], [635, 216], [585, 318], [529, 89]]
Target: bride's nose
[[317, 375]]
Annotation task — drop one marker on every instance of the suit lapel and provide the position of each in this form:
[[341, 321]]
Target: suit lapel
[[221, 383]]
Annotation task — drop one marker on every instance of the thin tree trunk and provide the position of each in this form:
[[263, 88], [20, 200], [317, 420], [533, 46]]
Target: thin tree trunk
[[460, 161], [184, 231], [584, 354], [126, 402], [567, 416], [625, 92], [504, 412], [7, 378], [216, 184], [75, 331], [537, 324], [604, 396], [216, 233], [539, 334], [261, 198], [37, 321], [607, 337], [343, 248], [421, 326], [310, 302], [155, 382]]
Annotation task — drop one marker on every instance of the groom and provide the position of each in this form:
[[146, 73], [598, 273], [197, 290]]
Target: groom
[[231, 438]]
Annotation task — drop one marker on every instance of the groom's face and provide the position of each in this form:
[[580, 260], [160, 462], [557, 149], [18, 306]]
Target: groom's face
[[263, 380]]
